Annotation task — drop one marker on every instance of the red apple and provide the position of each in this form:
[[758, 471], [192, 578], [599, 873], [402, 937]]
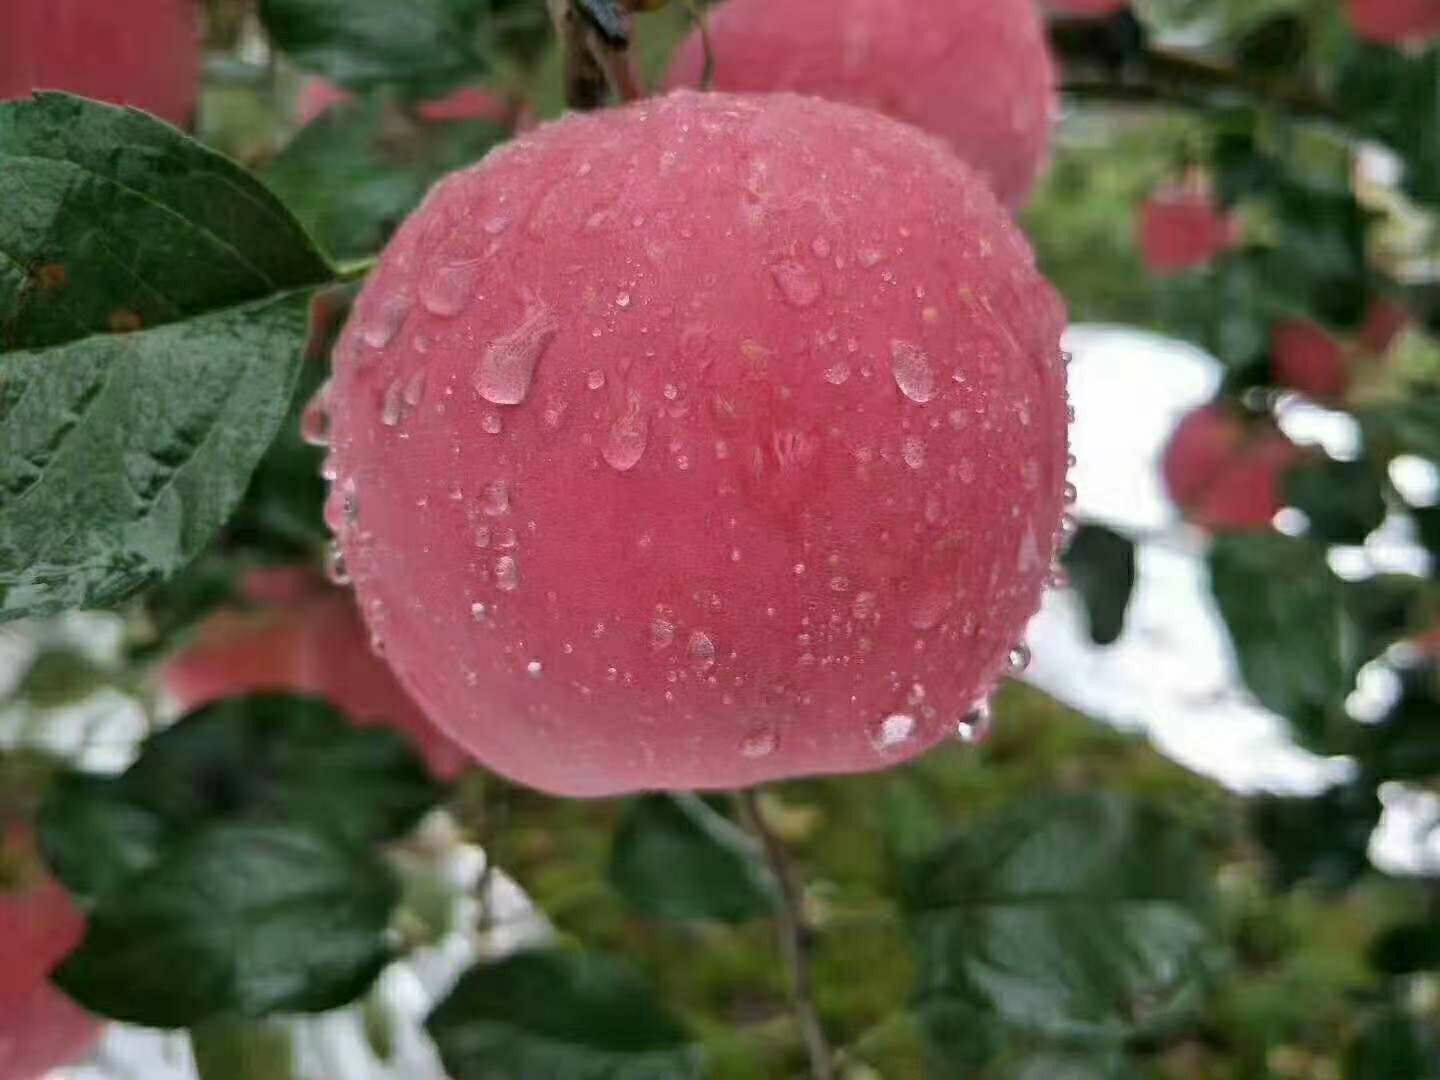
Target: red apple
[[306, 638], [320, 95], [40, 925], [978, 73], [1225, 472], [1307, 358], [144, 53], [1182, 229], [1396, 22], [697, 443]]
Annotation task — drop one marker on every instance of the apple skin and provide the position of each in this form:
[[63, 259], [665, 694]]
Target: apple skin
[[144, 53], [1396, 22], [40, 1028], [1227, 473], [1181, 229], [785, 466], [977, 73], [319, 95], [1308, 358], [306, 638]]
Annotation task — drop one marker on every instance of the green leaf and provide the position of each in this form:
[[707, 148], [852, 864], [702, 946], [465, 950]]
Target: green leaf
[[1342, 499], [1395, 97], [1393, 1046], [152, 307], [238, 919], [429, 46], [581, 1016], [1404, 746], [961, 1041], [357, 171], [126, 452], [115, 219], [1411, 426], [1296, 640], [229, 1049], [1408, 948], [1101, 565], [260, 759], [1084, 916], [1323, 838], [676, 858]]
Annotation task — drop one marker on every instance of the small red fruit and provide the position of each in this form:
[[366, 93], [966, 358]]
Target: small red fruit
[[977, 73], [1227, 473], [1181, 229], [319, 96], [308, 639], [1384, 323], [40, 1028], [1307, 358], [1396, 22], [144, 53], [710, 440]]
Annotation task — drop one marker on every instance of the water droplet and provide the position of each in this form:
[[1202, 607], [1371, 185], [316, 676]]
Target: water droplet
[[507, 367], [864, 605], [762, 740], [596, 379], [892, 732], [912, 371], [1071, 495], [628, 435], [1059, 578], [798, 284], [335, 568], [1017, 659], [701, 651], [479, 612], [507, 574], [838, 374], [975, 727], [623, 300], [482, 536], [392, 408], [389, 316], [415, 389], [496, 500], [492, 423], [450, 288], [662, 633], [315, 420], [869, 258], [1071, 461], [534, 669], [914, 452]]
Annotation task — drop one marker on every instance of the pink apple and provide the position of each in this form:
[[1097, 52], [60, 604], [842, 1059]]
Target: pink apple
[[1182, 229], [320, 95], [978, 73], [1226, 472], [1396, 22], [1308, 358], [706, 441], [144, 53]]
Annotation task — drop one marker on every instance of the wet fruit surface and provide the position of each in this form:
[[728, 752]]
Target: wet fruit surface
[[699, 443], [977, 73]]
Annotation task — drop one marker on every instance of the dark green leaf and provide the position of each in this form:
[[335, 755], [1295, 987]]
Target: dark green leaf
[[126, 452], [429, 46], [116, 220], [1393, 1046], [963, 1042], [1101, 565], [1395, 97], [237, 919], [580, 1016], [229, 1049], [676, 858], [1427, 524], [151, 307], [1411, 426], [355, 173], [1342, 499], [1292, 629], [1323, 838], [1407, 948], [1067, 916], [1405, 745], [259, 759]]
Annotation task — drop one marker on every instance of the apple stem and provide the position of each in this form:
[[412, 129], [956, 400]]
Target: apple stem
[[797, 936]]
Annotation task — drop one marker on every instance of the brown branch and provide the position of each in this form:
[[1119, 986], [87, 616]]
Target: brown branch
[[796, 938]]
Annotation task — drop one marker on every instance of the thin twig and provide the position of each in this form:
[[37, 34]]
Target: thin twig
[[796, 938]]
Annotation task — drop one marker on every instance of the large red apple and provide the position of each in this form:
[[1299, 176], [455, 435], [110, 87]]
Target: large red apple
[[144, 53], [1396, 22], [710, 440], [978, 73], [1227, 472], [40, 925], [305, 638]]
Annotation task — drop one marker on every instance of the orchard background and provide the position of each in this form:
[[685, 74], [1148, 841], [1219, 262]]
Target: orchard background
[[1190, 841]]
